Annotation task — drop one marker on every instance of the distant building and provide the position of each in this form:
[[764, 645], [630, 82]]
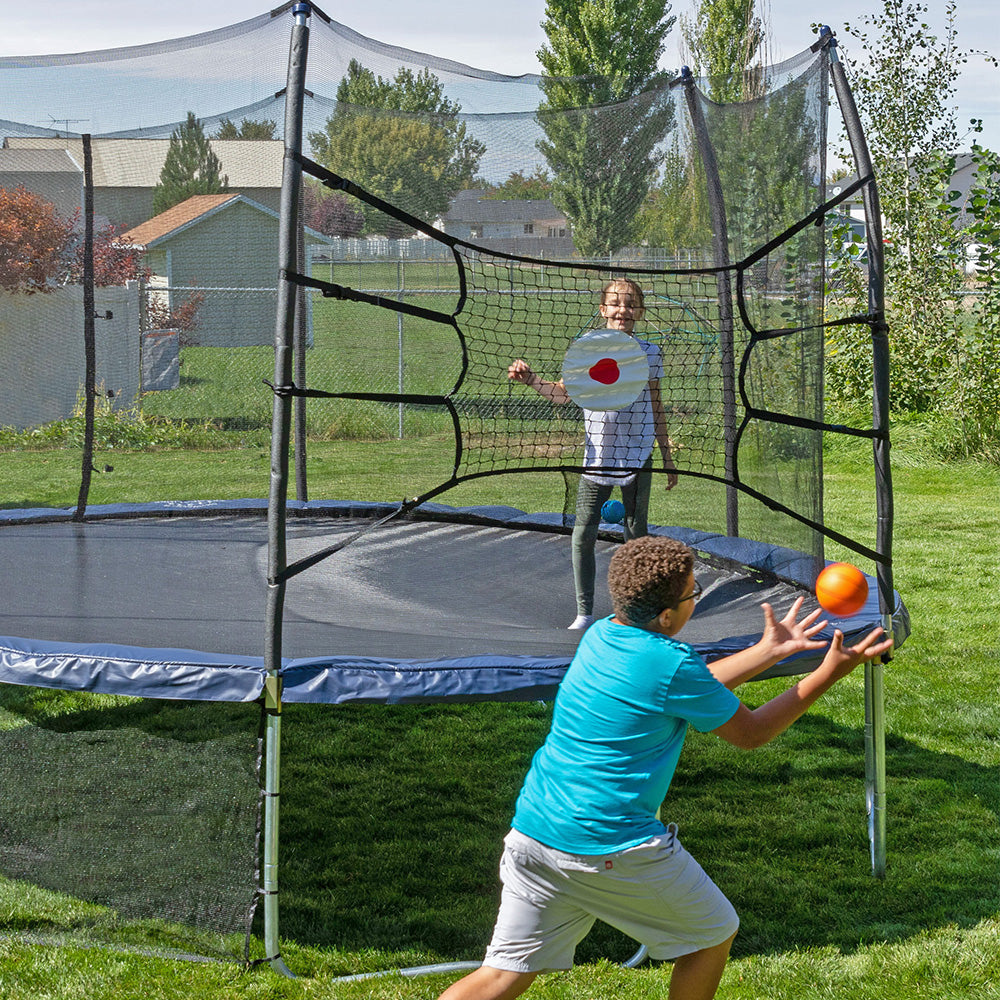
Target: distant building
[[127, 170], [534, 228], [225, 247], [958, 192], [51, 174]]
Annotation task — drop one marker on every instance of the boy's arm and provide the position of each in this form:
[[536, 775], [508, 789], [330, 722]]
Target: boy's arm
[[778, 640], [752, 728]]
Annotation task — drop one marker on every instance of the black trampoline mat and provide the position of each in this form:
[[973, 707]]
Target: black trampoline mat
[[407, 589]]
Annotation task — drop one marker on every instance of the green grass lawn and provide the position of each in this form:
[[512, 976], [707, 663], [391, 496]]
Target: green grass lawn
[[392, 816]]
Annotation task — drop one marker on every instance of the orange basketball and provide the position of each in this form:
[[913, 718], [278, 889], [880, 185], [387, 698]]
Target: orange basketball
[[841, 589]]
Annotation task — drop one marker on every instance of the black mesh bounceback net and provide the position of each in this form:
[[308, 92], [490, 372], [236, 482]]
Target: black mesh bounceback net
[[453, 220], [736, 308]]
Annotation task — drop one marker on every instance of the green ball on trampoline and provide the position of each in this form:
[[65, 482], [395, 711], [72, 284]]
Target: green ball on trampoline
[[613, 511]]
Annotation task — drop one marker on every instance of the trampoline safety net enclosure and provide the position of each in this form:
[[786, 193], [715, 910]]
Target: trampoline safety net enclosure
[[340, 314]]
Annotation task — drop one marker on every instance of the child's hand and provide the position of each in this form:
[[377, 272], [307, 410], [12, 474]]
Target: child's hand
[[520, 371], [789, 636], [841, 661]]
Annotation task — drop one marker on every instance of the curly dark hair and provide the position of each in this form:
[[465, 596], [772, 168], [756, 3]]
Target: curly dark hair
[[646, 575]]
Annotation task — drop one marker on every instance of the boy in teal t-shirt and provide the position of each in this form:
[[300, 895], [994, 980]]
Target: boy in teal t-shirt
[[586, 841]]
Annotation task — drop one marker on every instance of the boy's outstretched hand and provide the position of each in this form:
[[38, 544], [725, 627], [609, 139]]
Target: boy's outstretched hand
[[840, 661], [789, 636]]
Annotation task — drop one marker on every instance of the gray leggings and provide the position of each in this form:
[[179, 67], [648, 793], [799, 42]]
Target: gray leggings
[[589, 499]]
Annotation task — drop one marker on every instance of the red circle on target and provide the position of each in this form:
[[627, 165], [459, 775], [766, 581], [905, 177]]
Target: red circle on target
[[605, 370]]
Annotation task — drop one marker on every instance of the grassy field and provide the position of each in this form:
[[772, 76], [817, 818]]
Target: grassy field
[[392, 817]]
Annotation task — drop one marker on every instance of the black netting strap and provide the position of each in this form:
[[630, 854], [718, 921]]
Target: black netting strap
[[420, 399], [836, 536], [814, 218], [775, 417], [336, 182], [331, 290]]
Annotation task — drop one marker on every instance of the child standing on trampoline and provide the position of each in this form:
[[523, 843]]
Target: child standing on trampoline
[[586, 841], [614, 440]]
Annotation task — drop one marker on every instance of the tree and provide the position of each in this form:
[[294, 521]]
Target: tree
[[189, 168], [115, 262], [764, 151], [675, 216], [402, 141], [904, 81], [331, 213], [247, 129], [520, 187], [726, 43], [605, 112], [33, 242]]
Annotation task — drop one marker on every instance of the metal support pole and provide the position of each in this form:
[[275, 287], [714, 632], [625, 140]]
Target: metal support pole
[[89, 340], [288, 236], [875, 793], [720, 245]]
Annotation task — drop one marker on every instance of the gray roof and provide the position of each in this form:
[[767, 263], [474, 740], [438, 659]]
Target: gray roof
[[471, 206], [38, 161], [136, 163]]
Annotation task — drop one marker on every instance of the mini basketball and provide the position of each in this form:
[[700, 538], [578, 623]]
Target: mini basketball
[[605, 370], [841, 589], [613, 511]]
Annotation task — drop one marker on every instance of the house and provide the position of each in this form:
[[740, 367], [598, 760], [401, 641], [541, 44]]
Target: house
[[958, 193], [51, 174], [223, 247], [534, 228], [127, 170]]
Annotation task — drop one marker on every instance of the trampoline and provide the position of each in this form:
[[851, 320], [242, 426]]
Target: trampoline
[[165, 601]]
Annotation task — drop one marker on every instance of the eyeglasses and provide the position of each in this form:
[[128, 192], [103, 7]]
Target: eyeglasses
[[694, 595]]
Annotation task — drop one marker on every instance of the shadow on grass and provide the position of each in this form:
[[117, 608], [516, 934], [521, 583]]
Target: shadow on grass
[[392, 819], [392, 845]]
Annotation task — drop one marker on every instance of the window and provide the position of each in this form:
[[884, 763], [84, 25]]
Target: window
[[475, 232], [529, 228]]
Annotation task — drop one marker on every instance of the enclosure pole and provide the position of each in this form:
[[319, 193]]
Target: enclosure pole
[[89, 339], [288, 231], [720, 245], [299, 339], [400, 285], [874, 692]]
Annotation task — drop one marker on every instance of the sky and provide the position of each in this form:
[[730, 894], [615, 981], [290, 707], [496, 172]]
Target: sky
[[500, 36]]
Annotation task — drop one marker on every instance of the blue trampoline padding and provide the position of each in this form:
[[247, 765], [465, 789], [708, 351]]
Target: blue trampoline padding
[[189, 675], [131, 670], [339, 680]]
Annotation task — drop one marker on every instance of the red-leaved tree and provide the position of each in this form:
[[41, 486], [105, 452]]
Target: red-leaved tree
[[115, 262], [33, 242], [332, 214]]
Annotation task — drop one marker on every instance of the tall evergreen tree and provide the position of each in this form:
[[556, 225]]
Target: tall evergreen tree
[[605, 113], [726, 43], [189, 168]]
